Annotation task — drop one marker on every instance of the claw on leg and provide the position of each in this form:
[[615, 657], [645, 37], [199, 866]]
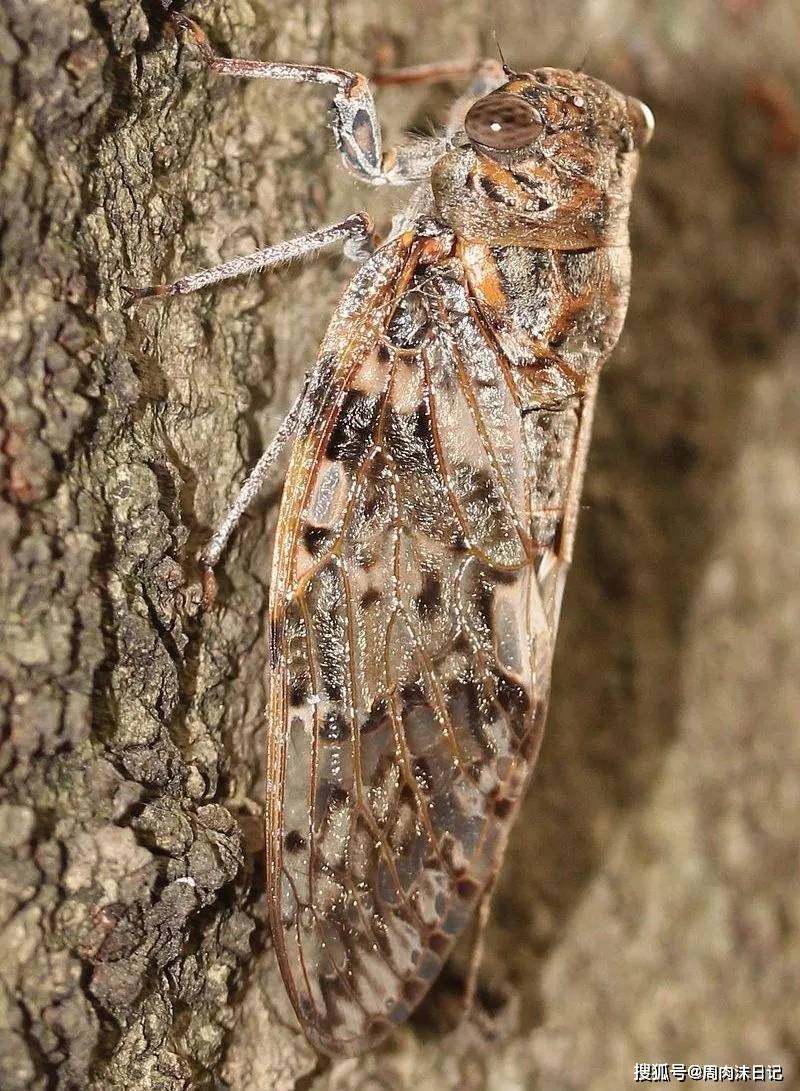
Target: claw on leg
[[146, 292], [183, 22]]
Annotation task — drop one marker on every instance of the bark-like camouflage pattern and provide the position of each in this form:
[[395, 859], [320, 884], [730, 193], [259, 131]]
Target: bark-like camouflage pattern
[[424, 535]]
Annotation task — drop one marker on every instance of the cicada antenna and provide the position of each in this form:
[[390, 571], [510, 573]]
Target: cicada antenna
[[506, 69]]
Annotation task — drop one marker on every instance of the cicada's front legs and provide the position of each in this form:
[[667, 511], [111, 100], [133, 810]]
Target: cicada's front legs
[[354, 119], [356, 232]]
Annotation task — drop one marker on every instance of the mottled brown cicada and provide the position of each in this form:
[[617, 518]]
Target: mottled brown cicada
[[427, 521]]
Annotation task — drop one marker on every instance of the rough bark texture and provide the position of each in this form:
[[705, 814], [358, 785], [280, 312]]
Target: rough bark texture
[[649, 909]]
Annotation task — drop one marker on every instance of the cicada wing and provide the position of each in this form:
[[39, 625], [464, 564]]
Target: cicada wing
[[411, 651]]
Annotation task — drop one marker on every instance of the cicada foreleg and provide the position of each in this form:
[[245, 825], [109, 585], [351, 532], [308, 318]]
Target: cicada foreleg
[[356, 233], [353, 118]]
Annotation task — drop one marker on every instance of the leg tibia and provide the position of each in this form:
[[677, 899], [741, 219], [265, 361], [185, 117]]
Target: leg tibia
[[356, 233]]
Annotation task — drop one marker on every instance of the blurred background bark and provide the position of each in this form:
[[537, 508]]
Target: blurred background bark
[[649, 908]]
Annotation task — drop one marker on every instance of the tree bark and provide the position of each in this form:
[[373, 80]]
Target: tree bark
[[651, 890]]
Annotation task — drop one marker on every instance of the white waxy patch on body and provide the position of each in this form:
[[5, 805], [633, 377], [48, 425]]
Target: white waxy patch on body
[[510, 633], [327, 504]]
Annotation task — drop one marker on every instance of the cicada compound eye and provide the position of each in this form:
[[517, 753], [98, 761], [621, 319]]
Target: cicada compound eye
[[502, 123]]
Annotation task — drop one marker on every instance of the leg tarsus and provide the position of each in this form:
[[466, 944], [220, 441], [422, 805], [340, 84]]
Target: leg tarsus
[[145, 293], [208, 583]]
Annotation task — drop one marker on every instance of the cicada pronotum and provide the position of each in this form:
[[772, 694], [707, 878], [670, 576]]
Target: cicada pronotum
[[427, 520]]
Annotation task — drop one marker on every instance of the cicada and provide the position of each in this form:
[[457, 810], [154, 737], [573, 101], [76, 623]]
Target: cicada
[[437, 452]]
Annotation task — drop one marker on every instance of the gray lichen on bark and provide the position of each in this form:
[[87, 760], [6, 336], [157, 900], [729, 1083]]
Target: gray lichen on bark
[[651, 888]]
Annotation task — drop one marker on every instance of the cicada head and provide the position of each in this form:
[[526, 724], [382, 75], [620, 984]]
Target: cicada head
[[547, 160]]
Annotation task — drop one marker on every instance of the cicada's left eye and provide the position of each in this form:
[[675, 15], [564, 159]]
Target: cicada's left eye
[[502, 123]]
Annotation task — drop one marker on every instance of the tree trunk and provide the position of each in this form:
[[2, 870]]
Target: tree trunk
[[651, 891]]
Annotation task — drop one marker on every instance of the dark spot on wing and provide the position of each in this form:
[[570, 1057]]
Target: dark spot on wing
[[378, 1027], [467, 888], [409, 325], [413, 694], [370, 597], [294, 841], [514, 701], [332, 687], [484, 603], [502, 807], [474, 770], [315, 539], [298, 693], [413, 990], [329, 797], [377, 718], [334, 727], [430, 597], [276, 627], [352, 433], [465, 707], [406, 796], [422, 427], [372, 498], [438, 943]]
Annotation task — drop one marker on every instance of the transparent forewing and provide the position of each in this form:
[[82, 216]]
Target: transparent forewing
[[413, 613]]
